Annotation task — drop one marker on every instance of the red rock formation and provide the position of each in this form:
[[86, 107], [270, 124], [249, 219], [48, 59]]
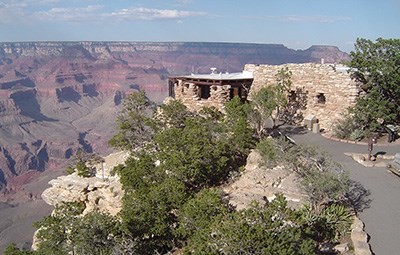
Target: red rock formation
[[57, 97]]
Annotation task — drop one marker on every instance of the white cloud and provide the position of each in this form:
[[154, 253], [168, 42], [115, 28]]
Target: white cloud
[[88, 13], [184, 1], [11, 12], [152, 14], [296, 18], [18, 11]]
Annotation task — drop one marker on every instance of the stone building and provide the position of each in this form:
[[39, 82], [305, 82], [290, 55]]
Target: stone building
[[328, 89], [214, 89]]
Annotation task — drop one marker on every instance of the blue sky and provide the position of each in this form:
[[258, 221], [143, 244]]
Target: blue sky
[[298, 24]]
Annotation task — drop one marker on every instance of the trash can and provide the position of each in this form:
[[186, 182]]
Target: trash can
[[309, 121], [315, 128]]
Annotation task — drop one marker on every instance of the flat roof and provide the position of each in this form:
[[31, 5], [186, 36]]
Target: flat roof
[[245, 75]]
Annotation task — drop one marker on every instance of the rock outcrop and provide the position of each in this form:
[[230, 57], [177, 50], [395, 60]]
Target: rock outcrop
[[102, 192], [259, 183]]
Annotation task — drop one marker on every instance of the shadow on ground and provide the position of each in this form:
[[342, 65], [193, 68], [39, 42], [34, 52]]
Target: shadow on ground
[[359, 196]]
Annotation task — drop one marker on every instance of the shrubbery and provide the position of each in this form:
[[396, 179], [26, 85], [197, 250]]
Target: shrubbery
[[324, 180], [171, 201]]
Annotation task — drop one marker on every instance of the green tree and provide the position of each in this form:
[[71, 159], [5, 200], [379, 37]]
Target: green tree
[[273, 229], [198, 213], [54, 231], [376, 65], [135, 126], [172, 114], [193, 154], [241, 134], [96, 233], [13, 250], [270, 101], [187, 155], [66, 231]]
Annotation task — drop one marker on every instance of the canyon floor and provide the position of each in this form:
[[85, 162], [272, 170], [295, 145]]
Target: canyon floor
[[17, 216]]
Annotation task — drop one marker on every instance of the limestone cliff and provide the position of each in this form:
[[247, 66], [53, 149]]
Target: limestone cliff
[[103, 191]]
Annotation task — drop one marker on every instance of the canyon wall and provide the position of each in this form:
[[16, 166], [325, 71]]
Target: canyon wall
[[57, 97]]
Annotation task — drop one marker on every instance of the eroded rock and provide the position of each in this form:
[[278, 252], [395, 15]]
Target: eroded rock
[[260, 183]]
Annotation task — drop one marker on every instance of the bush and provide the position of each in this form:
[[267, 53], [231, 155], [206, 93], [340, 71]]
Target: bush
[[269, 153], [357, 135], [199, 212], [330, 224], [322, 179], [259, 230], [344, 128], [83, 170]]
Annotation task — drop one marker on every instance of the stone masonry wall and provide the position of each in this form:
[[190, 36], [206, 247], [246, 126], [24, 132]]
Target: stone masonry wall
[[316, 81], [188, 94]]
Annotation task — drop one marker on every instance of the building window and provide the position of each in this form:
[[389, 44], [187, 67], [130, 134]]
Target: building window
[[321, 99], [234, 91], [204, 92]]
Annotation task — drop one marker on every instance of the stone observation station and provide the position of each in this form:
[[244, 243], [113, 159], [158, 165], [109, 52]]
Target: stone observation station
[[214, 89], [326, 89]]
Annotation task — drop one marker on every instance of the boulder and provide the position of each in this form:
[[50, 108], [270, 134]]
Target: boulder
[[259, 183]]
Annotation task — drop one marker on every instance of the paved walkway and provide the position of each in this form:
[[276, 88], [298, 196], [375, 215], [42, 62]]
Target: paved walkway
[[380, 210]]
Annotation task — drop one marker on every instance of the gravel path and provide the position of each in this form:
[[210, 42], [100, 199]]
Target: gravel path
[[380, 209]]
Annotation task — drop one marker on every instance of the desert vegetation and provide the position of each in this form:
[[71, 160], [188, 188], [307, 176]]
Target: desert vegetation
[[172, 202], [376, 66]]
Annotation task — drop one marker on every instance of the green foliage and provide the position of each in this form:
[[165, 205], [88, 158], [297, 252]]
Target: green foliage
[[357, 135], [98, 233], [134, 123], [330, 224], [339, 218], [189, 152], [70, 170], [264, 104], [173, 114], [66, 231], [198, 213], [169, 200], [82, 170], [193, 154], [152, 214], [376, 65], [13, 250], [85, 164], [236, 120], [323, 179], [53, 232], [345, 126], [268, 151], [270, 101], [272, 229]]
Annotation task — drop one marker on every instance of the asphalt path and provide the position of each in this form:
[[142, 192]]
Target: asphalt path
[[379, 190]]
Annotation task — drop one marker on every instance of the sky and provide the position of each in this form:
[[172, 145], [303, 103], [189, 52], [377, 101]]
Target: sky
[[298, 24]]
